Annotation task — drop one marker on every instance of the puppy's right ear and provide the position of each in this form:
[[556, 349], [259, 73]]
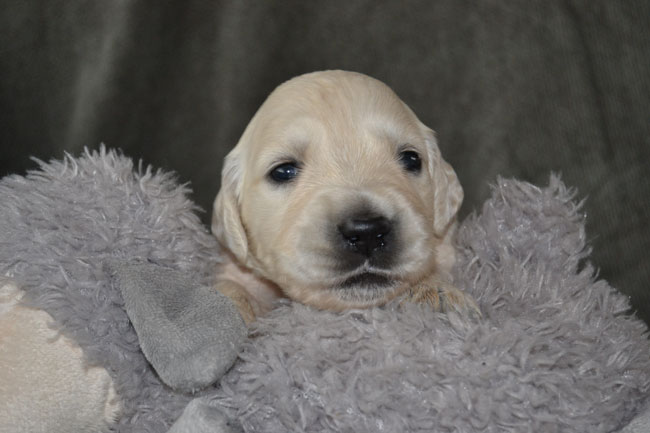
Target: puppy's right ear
[[226, 220]]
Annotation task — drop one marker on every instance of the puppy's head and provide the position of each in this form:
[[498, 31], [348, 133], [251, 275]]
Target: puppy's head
[[337, 193]]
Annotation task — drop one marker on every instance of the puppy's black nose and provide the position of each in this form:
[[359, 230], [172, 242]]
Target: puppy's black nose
[[365, 235]]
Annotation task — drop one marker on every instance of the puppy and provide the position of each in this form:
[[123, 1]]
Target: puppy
[[336, 196]]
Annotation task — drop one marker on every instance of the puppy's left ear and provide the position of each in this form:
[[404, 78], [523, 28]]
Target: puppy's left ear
[[226, 221], [448, 194]]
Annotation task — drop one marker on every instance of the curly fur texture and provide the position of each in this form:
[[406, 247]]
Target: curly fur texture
[[58, 227], [555, 350]]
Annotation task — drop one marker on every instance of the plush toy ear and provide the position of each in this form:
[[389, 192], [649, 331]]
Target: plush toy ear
[[226, 220], [448, 194]]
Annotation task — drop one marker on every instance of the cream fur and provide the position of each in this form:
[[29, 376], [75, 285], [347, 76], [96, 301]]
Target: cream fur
[[45, 385], [345, 130]]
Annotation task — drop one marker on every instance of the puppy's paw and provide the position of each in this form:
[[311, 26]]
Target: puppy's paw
[[443, 296], [238, 297]]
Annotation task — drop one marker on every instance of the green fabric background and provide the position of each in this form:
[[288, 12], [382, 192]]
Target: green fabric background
[[513, 88]]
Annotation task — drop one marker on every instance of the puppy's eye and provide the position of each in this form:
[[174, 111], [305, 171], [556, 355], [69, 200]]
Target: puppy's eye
[[284, 172], [411, 161]]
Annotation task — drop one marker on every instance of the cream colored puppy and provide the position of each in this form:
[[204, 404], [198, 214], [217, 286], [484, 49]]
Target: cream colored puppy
[[336, 196]]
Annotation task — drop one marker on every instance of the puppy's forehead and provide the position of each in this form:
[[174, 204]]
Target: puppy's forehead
[[335, 95], [335, 103]]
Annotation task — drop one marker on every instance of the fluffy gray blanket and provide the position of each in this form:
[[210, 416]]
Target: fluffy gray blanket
[[554, 352]]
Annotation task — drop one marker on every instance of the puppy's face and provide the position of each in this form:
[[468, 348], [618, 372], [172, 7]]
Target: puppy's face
[[337, 193]]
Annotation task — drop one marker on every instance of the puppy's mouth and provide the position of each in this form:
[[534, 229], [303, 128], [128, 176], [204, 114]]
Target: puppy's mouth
[[366, 288], [368, 280]]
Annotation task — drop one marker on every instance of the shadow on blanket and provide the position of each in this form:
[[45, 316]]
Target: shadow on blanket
[[555, 350]]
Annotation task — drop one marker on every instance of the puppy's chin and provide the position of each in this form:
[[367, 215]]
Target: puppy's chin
[[359, 291], [366, 289]]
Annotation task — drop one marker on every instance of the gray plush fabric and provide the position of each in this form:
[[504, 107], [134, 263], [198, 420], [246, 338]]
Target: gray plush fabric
[[554, 351], [190, 333], [640, 424], [60, 224], [200, 416]]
